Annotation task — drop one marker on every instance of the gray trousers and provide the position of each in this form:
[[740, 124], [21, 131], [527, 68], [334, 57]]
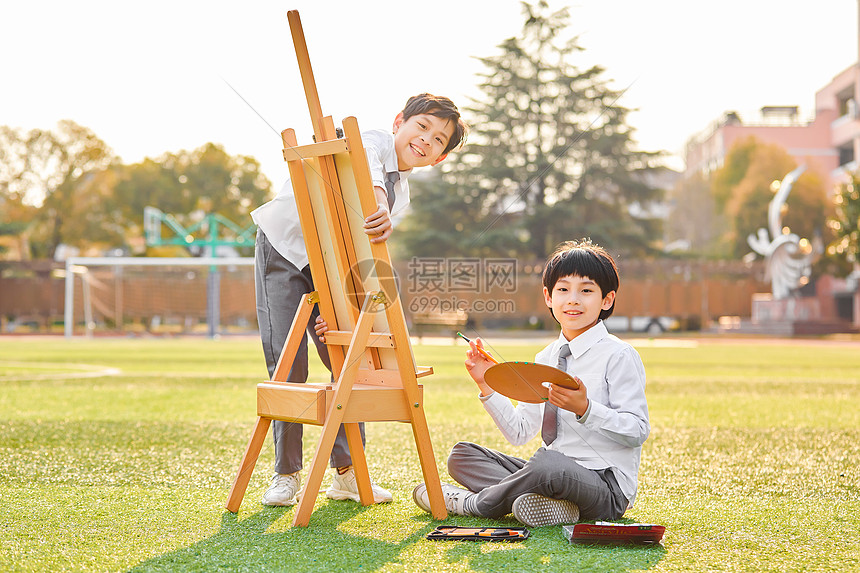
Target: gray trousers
[[279, 288], [498, 479]]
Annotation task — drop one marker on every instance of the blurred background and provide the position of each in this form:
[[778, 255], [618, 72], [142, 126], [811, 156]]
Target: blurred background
[[135, 140]]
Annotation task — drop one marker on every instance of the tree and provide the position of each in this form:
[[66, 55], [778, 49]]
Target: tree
[[845, 221], [47, 170], [15, 215], [442, 223], [549, 157], [9, 229], [734, 169], [694, 224], [744, 187], [189, 185]]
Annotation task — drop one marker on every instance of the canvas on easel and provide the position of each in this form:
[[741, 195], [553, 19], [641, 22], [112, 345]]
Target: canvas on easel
[[368, 342]]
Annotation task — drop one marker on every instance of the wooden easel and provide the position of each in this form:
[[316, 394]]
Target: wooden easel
[[369, 347]]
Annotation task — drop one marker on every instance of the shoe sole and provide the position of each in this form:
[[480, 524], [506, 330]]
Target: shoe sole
[[341, 495], [287, 503], [418, 501], [537, 511]]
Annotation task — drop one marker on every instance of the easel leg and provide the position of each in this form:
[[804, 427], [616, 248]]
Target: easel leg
[[295, 337], [246, 467], [315, 475], [334, 416], [428, 464], [261, 428], [359, 463]]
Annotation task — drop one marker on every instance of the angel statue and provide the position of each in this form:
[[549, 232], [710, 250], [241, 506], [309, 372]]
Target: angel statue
[[788, 258]]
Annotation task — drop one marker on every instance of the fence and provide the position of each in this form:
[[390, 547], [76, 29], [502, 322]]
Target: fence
[[171, 296]]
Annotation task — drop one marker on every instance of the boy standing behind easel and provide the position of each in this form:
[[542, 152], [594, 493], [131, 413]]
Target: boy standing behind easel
[[423, 133]]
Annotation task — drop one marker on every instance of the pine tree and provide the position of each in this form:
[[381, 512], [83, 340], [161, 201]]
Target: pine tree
[[549, 156]]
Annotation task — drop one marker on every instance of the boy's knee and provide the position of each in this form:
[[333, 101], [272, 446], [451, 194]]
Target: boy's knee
[[552, 472], [547, 461], [460, 447], [459, 453]]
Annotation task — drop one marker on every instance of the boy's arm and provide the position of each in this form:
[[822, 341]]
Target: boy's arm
[[477, 365], [320, 328], [575, 400], [379, 225], [376, 147], [518, 425]]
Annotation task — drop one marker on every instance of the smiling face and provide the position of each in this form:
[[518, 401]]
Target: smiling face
[[576, 303], [420, 140]]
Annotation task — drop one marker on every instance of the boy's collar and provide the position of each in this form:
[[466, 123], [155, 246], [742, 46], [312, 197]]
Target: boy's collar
[[580, 344]]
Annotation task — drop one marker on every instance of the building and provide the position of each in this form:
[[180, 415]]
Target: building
[[839, 99], [808, 142], [829, 143]]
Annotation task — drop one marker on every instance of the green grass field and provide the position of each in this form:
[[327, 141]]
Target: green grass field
[[117, 455]]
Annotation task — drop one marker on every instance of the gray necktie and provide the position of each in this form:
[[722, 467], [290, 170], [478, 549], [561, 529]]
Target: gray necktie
[[549, 428], [390, 180]]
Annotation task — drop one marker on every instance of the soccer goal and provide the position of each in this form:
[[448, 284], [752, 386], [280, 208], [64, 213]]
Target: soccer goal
[[159, 295]]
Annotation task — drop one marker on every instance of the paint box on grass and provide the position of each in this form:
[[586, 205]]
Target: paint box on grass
[[614, 533]]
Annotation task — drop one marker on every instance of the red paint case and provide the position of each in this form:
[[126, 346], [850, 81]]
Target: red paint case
[[606, 532]]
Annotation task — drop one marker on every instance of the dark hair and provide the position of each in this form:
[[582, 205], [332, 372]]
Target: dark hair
[[584, 259], [439, 106]]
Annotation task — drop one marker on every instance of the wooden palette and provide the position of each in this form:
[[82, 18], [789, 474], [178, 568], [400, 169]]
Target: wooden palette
[[523, 381]]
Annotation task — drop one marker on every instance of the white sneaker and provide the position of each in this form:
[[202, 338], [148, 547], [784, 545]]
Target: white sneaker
[[283, 489], [345, 487], [536, 510], [455, 498]]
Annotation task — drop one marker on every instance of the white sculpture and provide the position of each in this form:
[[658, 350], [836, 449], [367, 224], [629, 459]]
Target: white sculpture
[[785, 261]]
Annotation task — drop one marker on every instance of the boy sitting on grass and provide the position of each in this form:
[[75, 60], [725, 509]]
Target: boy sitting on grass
[[592, 436]]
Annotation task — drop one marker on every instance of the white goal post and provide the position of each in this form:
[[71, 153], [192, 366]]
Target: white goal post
[[83, 268]]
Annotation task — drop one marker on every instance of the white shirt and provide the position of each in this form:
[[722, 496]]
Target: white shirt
[[279, 218], [613, 429]]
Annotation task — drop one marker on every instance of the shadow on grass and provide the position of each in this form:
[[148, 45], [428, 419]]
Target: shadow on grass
[[247, 545]]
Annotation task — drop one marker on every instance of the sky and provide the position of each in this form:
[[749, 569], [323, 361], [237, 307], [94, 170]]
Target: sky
[[161, 76]]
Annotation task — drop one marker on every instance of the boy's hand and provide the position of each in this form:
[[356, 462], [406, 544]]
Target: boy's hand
[[477, 364], [378, 225], [321, 327], [575, 401]]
